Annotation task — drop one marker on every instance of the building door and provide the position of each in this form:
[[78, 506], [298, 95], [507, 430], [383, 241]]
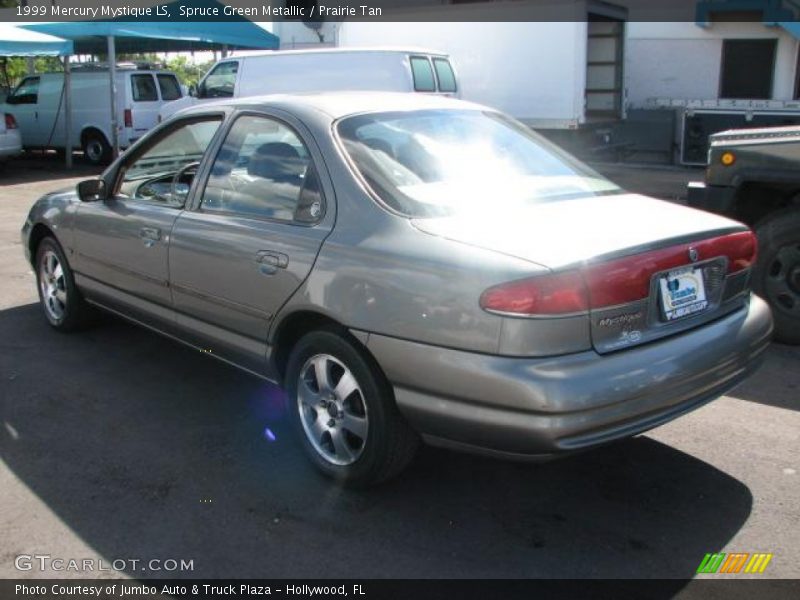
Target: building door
[[604, 59]]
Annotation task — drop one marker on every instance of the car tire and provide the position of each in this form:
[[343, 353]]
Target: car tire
[[96, 148], [777, 274], [62, 303], [344, 411]]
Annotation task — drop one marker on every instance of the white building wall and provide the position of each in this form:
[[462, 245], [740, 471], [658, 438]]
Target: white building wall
[[533, 71], [683, 60]]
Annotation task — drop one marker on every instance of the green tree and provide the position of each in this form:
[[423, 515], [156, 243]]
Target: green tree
[[13, 69], [188, 73]]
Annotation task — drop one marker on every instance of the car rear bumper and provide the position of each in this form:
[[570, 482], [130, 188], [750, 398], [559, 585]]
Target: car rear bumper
[[536, 408]]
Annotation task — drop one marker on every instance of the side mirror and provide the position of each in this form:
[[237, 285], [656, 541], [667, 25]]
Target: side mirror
[[92, 190], [193, 90]]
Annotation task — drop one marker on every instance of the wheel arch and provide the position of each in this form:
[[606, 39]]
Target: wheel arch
[[294, 326], [38, 232], [757, 200], [89, 129]]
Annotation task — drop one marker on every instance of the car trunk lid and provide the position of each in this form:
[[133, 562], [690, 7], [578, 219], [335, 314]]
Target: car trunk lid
[[649, 268]]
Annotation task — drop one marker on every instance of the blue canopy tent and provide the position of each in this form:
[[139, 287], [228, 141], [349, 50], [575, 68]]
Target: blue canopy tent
[[15, 41], [153, 35]]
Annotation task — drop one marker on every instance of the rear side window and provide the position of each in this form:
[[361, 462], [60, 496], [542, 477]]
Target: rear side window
[[144, 88], [264, 170], [423, 74], [170, 90], [27, 92], [445, 75]]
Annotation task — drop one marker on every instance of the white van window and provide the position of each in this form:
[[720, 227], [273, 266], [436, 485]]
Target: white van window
[[423, 74], [264, 170], [445, 75], [144, 88], [170, 89], [220, 81], [27, 92]]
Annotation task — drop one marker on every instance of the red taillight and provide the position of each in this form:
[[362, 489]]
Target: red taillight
[[551, 294], [11, 122], [613, 282], [740, 248], [128, 117]]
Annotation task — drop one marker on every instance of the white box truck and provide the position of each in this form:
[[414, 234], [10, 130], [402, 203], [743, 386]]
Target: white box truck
[[37, 105]]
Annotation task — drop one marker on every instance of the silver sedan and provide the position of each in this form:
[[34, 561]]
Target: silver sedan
[[408, 268]]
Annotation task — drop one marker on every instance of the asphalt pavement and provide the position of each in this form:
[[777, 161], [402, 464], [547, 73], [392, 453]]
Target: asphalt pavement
[[118, 444]]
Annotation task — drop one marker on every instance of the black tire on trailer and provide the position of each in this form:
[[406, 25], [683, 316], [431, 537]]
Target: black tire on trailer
[[777, 274]]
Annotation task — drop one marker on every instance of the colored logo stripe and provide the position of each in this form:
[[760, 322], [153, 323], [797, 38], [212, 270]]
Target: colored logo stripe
[[733, 562], [758, 563], [711, 563]]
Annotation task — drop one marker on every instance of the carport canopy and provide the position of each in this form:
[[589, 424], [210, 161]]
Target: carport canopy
[[143, 35], [152, 35], [15, 41]]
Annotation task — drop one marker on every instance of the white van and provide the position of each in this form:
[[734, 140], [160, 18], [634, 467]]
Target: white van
[[37, 104], [333, 69]]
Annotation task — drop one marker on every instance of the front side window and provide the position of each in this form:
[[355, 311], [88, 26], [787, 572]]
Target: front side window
[[423, 74], [221, 81], [27, 92], [264, 170], [170, 89], [144, 88], [163, 171], [445, 75], [431, 163]]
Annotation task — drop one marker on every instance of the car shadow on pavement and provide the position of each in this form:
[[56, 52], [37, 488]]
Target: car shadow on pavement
[[149, 450], [777, 382]]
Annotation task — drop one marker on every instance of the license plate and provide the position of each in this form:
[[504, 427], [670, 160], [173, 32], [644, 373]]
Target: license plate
[[683, 293]]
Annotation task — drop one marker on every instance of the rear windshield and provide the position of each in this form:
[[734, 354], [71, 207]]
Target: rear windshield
[[170, 90], [144, 88], [443, 162]]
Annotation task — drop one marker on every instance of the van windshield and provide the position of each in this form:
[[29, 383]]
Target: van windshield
[[220, 81], [443, 162]]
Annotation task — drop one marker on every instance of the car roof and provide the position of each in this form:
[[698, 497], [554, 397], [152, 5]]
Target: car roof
[[342, 104]]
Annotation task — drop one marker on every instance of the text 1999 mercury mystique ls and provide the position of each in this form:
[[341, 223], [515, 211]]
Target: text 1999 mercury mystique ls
[[408, 267]]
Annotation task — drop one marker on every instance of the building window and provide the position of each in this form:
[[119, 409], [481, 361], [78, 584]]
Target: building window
[[747, 69]]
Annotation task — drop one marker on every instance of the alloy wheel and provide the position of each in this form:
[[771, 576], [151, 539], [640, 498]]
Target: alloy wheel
[[332, 409], [53, 286]]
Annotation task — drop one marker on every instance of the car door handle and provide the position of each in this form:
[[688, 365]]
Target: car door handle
[[149, 235], [270, 261]]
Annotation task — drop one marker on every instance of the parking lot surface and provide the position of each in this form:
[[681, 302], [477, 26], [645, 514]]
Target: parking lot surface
[[116, 443]]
